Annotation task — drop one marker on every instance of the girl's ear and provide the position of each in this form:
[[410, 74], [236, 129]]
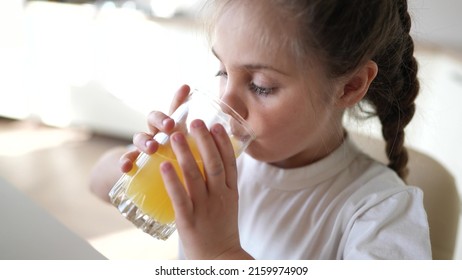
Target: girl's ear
[[356, 86]]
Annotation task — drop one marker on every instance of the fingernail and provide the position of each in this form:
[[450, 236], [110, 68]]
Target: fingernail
[[166, 167], [165, 122], [123, 161], [150, 146], [178, 137], [217, 129], [197, 124], [125, 165]]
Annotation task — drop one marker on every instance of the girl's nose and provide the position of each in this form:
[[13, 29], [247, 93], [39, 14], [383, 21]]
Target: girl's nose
[[235, 102]]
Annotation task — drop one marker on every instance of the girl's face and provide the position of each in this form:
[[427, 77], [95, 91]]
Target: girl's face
[[292, 111]]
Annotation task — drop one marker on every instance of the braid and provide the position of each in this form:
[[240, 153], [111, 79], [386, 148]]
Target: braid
[[395, 107]]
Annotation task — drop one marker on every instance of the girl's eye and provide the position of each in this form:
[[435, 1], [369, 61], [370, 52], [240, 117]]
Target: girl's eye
[[258, 90], [221, 73], [264, 91]]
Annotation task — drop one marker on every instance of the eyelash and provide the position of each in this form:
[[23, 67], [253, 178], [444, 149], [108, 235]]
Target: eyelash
[[263, 91], [221, 73]]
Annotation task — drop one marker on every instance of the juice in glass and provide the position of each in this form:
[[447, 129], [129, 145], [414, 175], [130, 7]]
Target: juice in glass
[[147, 190]]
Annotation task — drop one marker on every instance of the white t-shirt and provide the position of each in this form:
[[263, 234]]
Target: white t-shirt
[[345, 206]]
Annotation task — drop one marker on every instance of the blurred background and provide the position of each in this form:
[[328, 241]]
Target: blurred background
[[78, 78]]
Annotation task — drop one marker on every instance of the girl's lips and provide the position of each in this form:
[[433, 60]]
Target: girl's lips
[[240, 132]]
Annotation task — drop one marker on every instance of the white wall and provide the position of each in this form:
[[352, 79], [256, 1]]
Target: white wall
[[437, 22]]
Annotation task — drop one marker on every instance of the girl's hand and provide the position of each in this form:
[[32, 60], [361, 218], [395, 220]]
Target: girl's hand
[[157, 121], [206, 207]]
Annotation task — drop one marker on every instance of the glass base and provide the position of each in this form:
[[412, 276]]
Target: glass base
[[131, 212]]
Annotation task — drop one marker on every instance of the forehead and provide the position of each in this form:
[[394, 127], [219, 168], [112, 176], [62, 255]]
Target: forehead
[[254, 28]]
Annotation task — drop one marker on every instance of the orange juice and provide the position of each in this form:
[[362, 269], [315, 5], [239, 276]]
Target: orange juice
[[147, 189]]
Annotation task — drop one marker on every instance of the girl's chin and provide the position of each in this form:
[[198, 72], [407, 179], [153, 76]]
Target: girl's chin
[[257, 153]]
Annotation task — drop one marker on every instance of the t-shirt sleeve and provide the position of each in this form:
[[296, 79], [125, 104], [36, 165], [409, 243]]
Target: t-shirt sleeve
[[391, 227]]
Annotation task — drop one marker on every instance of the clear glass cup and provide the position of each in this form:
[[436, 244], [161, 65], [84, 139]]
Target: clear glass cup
[[140, 195]]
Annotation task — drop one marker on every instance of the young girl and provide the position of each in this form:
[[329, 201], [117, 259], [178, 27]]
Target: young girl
[[302, 190]]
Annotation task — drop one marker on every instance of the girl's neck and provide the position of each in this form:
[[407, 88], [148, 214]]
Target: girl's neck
[[310, 156]]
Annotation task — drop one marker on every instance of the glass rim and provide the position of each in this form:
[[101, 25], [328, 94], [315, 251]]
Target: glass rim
[[232, 112]]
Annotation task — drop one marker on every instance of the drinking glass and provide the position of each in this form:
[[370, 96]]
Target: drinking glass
[[140, 194]]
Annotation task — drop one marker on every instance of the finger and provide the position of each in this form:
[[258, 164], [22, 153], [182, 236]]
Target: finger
[[179, 98], [158, 121], [127, 160], [145, 143], [213, 164], [226, 150], [181, 202], [192, 175]]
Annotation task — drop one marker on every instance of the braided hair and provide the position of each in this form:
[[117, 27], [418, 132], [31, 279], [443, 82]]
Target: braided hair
[[394, 91], [347, 34]]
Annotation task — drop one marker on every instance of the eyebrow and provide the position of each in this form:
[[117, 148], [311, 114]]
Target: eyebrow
[[256, 66]]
